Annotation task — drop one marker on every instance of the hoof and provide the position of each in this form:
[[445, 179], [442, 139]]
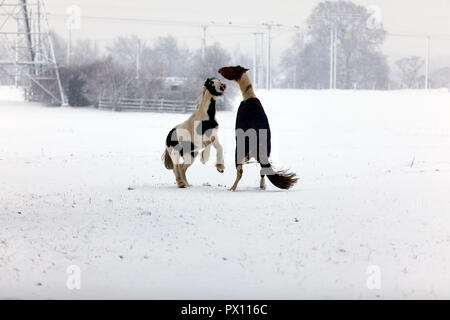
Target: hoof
[[220, 168]]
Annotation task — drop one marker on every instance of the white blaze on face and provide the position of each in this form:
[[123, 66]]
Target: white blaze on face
[[217, 85]]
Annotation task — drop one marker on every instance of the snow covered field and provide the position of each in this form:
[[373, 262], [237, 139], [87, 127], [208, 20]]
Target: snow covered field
[[88, 188]]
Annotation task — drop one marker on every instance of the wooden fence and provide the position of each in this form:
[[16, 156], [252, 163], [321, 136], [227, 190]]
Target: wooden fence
[[148, 105]]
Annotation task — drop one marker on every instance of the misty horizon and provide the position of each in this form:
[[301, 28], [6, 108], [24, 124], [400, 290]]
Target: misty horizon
[[407, 24]]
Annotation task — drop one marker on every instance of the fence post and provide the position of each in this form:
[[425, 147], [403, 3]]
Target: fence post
[[117, 105]]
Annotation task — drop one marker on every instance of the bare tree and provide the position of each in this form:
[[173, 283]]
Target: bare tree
[[134, 69], [360, 61], [171, 58], [409, 71], [207, 67]]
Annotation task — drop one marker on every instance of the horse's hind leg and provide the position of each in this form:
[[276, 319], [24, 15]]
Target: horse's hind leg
[[262, 183], [263, 160], [178, 176], [239, 172], [175, 155], [183, 170], [188, 161]]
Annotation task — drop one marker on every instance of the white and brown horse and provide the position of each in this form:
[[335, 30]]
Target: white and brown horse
[[198, 133]]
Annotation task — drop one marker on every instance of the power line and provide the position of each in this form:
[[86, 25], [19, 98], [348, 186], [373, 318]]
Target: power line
[[232, 24], [422, 36], [179, 22], [205, 27]]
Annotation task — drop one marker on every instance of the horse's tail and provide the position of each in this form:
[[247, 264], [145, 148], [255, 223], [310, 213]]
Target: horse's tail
[[168, 163], [281, 179]]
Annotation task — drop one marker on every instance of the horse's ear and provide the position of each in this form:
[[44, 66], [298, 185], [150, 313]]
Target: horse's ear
[[243, 69]]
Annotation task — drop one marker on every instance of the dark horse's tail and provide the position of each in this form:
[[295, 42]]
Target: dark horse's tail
[[281, 179]]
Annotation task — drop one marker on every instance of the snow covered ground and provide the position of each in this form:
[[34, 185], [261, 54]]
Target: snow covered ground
[[87, 188]]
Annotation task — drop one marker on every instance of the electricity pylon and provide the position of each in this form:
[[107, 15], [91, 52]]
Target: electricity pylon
[[28, 54]]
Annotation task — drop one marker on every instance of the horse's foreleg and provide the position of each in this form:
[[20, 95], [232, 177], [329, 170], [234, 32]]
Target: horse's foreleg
[[220, 165]]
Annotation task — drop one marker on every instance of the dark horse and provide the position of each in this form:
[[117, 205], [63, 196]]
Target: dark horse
[[253, 135]]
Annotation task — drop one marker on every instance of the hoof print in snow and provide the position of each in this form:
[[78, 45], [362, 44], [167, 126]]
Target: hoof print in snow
[[121, 257], [19, 212], [296, 220], [130, 189], [224, 259], [39, 284]]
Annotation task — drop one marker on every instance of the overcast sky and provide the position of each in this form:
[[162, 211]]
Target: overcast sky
[[398, 16]]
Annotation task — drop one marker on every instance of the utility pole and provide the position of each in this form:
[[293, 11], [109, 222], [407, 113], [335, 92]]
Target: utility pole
[[269, 54], [260, 65], [138, 59], [254, 59], [269, 57], [205, 28], [335, 59], [427, 64], [71, 23], [69, 47], [295, 77], [331, 57]]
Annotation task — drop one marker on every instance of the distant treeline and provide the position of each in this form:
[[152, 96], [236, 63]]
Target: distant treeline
[[132, 68], [360, 62]]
